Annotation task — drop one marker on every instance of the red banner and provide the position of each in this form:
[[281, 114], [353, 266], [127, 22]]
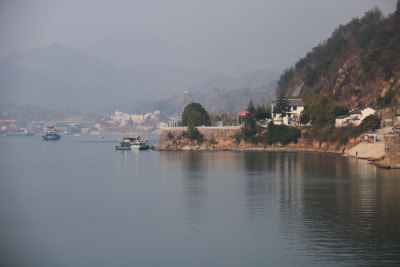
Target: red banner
[[244, 113]]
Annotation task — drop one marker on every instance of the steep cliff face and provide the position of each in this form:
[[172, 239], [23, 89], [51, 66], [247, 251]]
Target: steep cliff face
[[359, 63]]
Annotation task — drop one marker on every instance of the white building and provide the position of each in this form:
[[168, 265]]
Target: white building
[[292, 118], [355, 117], [342, 121], [174, 123], [366, 112], [124, 118]]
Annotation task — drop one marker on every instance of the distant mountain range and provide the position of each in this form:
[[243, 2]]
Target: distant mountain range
[[216, 101], [59, 78]]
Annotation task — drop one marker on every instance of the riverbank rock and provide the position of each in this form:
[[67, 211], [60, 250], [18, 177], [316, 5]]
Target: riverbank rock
[[228, 138]]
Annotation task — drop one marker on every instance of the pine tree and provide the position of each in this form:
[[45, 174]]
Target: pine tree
[[251, 108], [281, 105]]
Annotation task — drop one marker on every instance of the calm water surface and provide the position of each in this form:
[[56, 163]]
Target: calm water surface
[[78, 202]]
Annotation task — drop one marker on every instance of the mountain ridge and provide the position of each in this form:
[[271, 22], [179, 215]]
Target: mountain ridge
[[358, 65], [57, 77]]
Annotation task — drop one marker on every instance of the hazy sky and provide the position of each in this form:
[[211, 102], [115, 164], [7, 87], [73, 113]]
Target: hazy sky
[[276, 29]]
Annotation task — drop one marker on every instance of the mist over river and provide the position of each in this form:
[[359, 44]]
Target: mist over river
[[78, 202]]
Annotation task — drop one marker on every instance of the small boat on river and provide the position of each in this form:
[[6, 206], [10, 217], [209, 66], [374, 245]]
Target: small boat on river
[[132, 143], [50, 133]]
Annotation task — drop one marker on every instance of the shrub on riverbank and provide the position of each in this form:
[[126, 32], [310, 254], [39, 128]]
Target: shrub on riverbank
[[280, 134], [193, 134], [252, 133], [340, 135]]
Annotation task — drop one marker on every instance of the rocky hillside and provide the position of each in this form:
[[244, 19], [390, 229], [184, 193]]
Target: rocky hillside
[[359, 65]]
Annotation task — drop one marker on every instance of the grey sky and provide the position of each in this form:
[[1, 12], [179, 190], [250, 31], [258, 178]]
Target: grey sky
[[274, 29]]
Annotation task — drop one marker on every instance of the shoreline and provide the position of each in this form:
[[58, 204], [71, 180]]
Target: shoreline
[[377, 161], [378, 153]]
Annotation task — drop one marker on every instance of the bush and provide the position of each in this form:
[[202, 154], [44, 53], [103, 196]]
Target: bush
[[341, 135], [212, 141], [193, 134], [280, 134], [332, 135], [170, 136], [249, 129], [372, 122]]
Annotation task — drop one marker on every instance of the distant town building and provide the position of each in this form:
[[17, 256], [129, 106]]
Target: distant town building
[[124, 119], [291, 118]]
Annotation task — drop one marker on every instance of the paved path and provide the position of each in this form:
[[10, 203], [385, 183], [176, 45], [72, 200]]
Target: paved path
[[370, 150]]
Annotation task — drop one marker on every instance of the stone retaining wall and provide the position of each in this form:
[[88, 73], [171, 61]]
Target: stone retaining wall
[[223, 136], [392, 151]]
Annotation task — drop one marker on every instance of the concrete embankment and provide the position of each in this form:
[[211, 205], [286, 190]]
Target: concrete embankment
[[369, 151], [385, 152], [216, 138]]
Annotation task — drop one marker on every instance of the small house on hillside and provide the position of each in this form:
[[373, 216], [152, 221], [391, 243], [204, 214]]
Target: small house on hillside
[[369, 137], [355, 114], [355, 117], [342, 121], [291, 118]]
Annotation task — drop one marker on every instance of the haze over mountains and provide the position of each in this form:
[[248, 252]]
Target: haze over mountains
[[56, 77], [132, 52]]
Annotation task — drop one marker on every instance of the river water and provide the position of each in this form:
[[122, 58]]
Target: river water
[[78, 202]]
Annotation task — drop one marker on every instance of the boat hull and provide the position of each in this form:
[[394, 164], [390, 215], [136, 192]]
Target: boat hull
[[139, 147], [133, 147], [51, 137]]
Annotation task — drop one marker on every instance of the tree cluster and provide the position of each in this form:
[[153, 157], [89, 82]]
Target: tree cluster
[[386, 100], [322, 111], [280, 134], [195, 115], [253, 133], [371, 122]]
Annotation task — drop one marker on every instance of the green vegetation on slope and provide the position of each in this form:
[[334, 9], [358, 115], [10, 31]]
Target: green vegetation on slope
[[356, 65], [322, 111]]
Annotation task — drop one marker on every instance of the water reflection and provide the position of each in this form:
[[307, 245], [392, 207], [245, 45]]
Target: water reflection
[[194, 166], [324, 206], [338, 206]]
